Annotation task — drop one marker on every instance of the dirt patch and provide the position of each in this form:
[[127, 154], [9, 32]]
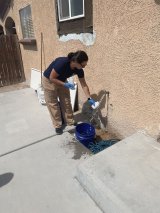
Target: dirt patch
[[78, 149], [103, 135], [102, 141]]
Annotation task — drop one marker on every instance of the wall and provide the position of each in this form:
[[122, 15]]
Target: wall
[[124, 59], [128, 40]]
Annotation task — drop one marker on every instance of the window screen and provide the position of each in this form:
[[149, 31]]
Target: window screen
[[26, 22]]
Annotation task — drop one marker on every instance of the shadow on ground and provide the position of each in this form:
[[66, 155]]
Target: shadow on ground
[[5, 178]]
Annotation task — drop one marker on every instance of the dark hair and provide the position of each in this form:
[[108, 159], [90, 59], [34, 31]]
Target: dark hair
[[79, 56]]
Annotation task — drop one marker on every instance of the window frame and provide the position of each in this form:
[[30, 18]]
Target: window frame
[[71, 17], [22, 26]]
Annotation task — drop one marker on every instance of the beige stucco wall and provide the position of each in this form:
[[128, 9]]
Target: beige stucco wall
[[124, 59], [128, 36]]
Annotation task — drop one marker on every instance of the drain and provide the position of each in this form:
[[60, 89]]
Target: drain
[[101, 145], [96, 146]]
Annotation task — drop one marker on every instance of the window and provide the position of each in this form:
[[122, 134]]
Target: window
[[76, 18], [26, 22], [70, 9]]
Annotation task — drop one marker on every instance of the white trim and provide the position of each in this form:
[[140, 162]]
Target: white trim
[[83, 9], [75, 17], [70, 18], [69, 8], [58, 10]]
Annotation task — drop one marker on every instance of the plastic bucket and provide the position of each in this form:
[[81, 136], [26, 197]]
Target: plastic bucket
[[85, 133]]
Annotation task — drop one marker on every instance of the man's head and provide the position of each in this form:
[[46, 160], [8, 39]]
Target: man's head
[[78, 59]]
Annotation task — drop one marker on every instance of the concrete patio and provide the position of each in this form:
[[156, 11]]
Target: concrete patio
[[43, 172], [37, 168]]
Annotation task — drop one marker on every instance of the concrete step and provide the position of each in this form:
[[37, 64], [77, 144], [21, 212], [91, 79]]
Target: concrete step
[[125, 178]]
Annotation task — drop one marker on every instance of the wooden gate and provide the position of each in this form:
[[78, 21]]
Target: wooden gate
[[11, 66]]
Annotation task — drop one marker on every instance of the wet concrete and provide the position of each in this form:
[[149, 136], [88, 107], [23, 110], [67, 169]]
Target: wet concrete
[[78, 149]]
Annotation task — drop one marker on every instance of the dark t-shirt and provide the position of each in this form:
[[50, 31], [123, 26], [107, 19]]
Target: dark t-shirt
[[62, 66]]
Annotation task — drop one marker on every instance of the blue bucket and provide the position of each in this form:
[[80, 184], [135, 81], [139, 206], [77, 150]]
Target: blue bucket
[[85, 133]]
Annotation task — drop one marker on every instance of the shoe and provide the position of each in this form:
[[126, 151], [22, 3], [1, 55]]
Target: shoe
[[73, 124], [59, 131], [70, 127]]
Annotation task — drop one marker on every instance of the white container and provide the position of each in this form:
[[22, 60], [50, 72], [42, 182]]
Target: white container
[[96, 105], [40, 93]]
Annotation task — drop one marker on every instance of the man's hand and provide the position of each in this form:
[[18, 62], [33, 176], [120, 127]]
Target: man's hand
[[91, 101], [69, 86]]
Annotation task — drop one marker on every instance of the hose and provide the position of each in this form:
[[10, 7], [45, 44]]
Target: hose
[[101, 145]]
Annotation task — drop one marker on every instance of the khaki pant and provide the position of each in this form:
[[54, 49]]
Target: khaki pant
[[51, 93]]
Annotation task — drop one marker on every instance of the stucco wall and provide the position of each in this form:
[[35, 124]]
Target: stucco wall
[[124, 59], [128, 41]]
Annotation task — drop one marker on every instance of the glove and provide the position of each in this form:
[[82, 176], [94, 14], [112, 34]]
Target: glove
[[91, 101], [69, 85]]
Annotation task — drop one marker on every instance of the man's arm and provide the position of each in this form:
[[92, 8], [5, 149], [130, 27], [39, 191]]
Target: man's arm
[[85, 87], [53, 78]]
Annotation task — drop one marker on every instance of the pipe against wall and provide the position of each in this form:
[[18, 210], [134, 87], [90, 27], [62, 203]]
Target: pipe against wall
[[95, 113]]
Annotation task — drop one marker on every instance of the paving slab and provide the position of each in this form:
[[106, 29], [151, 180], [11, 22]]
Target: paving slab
[[41, 178], [23, 119], [37, 167], [125, 177]]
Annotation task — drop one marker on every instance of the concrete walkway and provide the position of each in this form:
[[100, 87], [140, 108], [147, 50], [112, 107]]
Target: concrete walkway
[[125, 178], [37, 168]]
